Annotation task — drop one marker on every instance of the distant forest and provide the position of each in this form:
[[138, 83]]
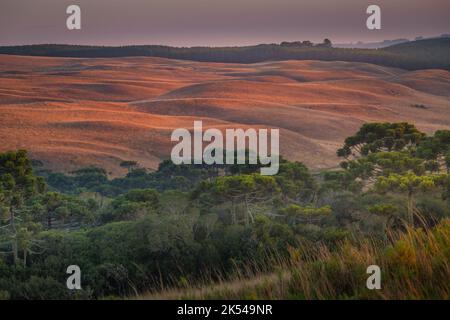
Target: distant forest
[[422, 54]]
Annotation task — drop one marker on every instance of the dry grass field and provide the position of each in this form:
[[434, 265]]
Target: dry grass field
[[70, 113]]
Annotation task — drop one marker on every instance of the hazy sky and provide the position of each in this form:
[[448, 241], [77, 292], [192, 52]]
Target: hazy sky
[[217, 22]]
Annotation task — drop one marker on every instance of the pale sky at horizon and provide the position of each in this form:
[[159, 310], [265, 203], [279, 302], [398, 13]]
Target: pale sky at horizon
[[217, 23]]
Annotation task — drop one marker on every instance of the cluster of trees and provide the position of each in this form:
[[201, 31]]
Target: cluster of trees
[[180, 223], [396, 157], [423, 54], [306, 44]]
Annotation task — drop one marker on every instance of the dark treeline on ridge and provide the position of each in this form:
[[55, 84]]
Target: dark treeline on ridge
[[422, 54]]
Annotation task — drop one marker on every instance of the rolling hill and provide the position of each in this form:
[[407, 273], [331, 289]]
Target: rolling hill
[[74, 112]]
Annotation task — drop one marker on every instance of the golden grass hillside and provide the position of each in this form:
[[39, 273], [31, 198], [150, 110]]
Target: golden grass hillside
[[416, 265], [71, 112]]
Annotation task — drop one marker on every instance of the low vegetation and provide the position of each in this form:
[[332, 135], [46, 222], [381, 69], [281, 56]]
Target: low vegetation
[[414, 263]]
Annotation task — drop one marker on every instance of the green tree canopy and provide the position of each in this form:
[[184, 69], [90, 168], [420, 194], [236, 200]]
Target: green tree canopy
[[376, 137]]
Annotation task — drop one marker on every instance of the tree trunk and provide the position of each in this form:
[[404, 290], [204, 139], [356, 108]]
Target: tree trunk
[[24, 258], [14, 232], [233, 214], [248, 217]]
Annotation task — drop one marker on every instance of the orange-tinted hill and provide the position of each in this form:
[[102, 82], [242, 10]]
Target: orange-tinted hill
[[71, 113]]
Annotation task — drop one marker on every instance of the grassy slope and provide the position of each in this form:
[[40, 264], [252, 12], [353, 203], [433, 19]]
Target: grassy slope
[[415, 266], [75, 112]]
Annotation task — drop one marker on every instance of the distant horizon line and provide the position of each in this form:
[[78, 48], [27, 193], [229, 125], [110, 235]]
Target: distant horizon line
[[356, 42]]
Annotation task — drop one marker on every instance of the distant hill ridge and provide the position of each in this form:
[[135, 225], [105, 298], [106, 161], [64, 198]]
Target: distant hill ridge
[[413, 55], [385, 43]]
